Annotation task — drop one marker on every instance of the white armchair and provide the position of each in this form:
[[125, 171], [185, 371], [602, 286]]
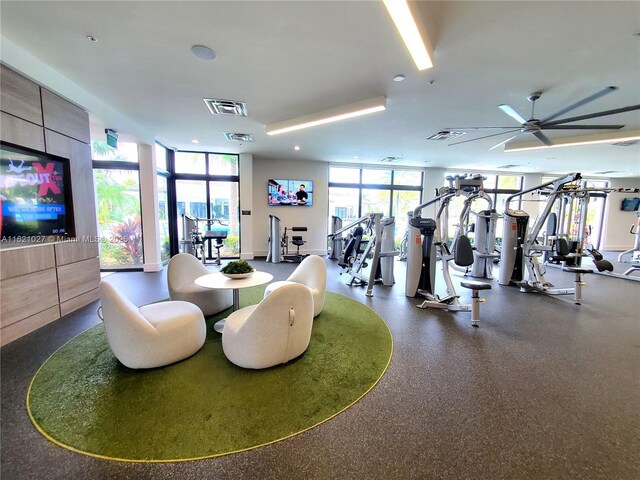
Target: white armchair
[[275, 331], [311, 272], [182, 271], [151, 336]]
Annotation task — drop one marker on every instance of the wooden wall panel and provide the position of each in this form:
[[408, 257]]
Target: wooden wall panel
[[69, 252], [26, 295], [78, 302], [78, 278], [64, 117], [18, 131], [21, 261], [19, 329], [84, 203], [19, 96]]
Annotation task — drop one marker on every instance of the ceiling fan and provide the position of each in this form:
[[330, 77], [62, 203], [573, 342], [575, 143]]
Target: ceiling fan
[[535, 126]]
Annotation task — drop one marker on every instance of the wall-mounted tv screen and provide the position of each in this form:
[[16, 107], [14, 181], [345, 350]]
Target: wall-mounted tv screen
[[35, 195], [630, 204], [290, 192]]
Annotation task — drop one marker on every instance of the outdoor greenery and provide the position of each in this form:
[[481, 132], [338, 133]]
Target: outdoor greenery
[[118, 209]]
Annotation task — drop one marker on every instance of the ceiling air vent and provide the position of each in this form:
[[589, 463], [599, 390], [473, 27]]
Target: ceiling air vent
[[238, 137], [390, 159], [606, 172], [510, 165], [445, 135], [226, 107]]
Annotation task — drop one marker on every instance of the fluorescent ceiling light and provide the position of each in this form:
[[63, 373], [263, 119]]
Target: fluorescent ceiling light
[[328, 116], [577, 141], [406, 25]]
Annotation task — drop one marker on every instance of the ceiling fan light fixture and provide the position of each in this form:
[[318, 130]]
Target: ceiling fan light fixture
[[408, 29], [357, 109], [618, 137]]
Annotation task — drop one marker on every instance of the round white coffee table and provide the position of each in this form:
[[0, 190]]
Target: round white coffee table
[[217, 281]]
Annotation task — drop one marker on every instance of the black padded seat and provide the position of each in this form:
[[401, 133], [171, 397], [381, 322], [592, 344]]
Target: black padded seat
[[603, 265], [577, 270], [475, 285], [463, 251]]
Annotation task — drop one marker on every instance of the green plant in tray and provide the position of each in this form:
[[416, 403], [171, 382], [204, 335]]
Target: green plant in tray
[[236, 267]]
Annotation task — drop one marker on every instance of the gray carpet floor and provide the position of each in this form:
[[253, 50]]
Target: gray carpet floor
[[544, 389]]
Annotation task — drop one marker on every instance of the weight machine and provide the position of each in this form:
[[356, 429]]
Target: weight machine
[[635, 251], [484, 227], [278, 246], [194, 241], [377, 252], [428, 240], [520, 250]]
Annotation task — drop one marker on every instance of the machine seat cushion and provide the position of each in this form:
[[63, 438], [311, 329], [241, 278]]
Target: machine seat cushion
[[475, 285], [577, 270], [463, 251], [603, 265]]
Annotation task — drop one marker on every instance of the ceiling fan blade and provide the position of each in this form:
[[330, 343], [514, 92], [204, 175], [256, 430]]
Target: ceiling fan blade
[[581, 127], [502, 142], [464, 129], [486, 136], [542, 137], [512, 113], [584, 101], [591, 115]]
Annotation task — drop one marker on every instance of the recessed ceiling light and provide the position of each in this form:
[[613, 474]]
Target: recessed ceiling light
[[398, 78], [203, 53], [355, 157], [297, 147], [92, 39], [408, 29], [328, 116], [195, 141]]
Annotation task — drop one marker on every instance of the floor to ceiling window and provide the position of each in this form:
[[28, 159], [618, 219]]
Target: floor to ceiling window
[[207, 188], [117, 184], [354, 192], [163, 201]]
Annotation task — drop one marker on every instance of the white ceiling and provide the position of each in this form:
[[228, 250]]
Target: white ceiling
[[292, 58]]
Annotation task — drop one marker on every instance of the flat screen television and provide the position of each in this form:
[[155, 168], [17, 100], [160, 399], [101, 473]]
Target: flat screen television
[[290, 192], [35, 195], [630, 204]]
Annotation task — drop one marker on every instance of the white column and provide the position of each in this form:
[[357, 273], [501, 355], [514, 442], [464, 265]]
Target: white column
[[246, 205], [433, 178], [531, 202], [149, 207]]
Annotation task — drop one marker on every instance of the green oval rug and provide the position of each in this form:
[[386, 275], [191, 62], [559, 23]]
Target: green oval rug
[[83, 399]]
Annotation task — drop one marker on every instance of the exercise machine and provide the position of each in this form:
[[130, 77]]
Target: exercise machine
[[336, 243], [521, 248], [278, 245], [195, 242], [635, 251], [376, 251], [404, 243], [273, 245], [296, 240], [428, 240], [484, 228]]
